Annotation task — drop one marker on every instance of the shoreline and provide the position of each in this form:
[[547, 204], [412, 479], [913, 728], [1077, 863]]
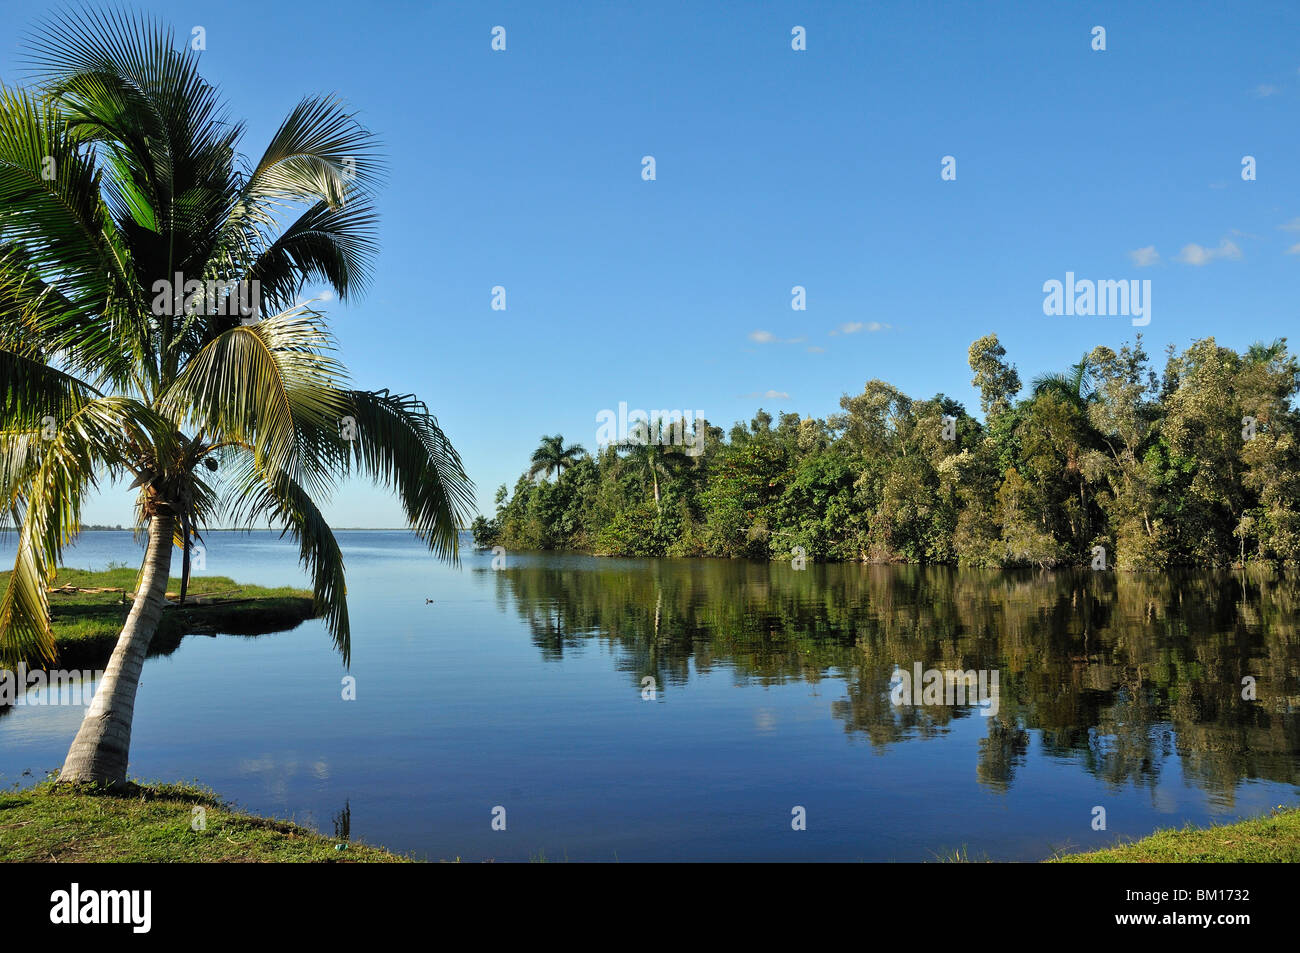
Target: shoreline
[[187, 823], [159, 823], [1272, 838], [88, 609], [1173, 568]]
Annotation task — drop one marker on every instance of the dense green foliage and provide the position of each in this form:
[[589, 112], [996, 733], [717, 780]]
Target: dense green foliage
[[1196, 465]]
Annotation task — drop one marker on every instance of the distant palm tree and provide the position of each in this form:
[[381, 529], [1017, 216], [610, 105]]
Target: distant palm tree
[[1074, 386], [118, 173], [654, 460], [553, 456], [1261, 353]]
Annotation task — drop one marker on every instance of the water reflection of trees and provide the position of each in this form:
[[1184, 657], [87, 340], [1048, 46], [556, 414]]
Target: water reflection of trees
[[1118, 673]]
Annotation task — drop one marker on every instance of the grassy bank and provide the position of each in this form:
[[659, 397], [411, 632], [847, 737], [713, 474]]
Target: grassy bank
[[154, 824], [87, 610], [1273, 838]]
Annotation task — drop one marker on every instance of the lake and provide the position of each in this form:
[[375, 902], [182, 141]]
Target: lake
[[523, 687]]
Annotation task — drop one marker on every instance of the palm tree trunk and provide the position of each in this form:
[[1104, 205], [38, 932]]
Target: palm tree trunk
[[99, 752]]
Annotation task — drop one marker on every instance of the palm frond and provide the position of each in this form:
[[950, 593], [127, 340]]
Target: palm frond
[[57, 229], [163, 141], [331, 244], [257, 495], [319, 153], [399, 444], [32, 391], [322, 159], [95, 440], [126, 86], [273, 386]]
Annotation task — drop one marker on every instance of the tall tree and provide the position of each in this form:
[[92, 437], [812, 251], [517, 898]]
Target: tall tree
[[553, 456], [133, 235], [653, 460], [998, 381]]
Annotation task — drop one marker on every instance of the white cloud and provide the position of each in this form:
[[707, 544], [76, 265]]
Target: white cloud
[[1198, 255], [1265, 89], [1294, 249], [1145, 257], [1195, 255], [853, 327], [1291, 226], [816, 350], [326, 295], [769, 394], [767, 337]]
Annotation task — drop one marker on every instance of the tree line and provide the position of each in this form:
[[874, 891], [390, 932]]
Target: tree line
[[1111, 463]]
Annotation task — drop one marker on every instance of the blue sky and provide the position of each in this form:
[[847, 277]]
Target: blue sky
[[775, 168]]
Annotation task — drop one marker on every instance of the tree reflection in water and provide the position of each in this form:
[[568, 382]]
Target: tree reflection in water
[[1118, 673]]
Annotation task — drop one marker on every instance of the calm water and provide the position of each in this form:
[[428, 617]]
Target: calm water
[[523, 688]]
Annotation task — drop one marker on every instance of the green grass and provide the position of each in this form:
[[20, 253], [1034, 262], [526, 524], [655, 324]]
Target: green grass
[[1273, 838], [86, 624], [154, 824]]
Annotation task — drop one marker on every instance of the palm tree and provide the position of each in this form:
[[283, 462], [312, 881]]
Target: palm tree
[[1074, 389], [119, 176], [652, 460], [1075, 386], [647, 459], [552, 456], [1261, 353]]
